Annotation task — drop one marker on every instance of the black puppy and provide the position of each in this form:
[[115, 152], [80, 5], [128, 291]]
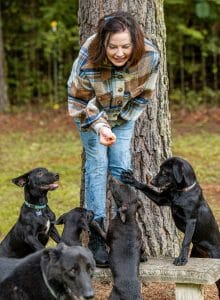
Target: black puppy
[[180, 190], [125, 243], [62, 273], [36, 220], [192, 215], [75, 222]]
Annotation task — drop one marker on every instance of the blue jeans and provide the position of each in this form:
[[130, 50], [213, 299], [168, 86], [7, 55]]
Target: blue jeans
[[100, 159]]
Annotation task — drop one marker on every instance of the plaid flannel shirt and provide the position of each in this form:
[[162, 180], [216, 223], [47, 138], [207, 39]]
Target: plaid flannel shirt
[[107, 95]]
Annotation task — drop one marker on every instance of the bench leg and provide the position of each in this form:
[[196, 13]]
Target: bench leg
[[189, 291]]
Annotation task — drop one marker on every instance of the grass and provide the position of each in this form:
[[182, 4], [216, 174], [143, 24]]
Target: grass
[[202, 150], [60, 151]]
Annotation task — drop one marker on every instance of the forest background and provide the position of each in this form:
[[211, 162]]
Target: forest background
[[40, 41]]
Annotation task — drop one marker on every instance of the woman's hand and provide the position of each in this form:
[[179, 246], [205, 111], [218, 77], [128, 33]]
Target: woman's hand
[[107, 137]]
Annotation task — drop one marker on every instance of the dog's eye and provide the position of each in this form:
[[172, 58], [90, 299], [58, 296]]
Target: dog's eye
[[40, 173], [164, 173], [89, 269], [74, 271]]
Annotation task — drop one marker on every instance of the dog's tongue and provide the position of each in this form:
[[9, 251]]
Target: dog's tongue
[[54, 186]]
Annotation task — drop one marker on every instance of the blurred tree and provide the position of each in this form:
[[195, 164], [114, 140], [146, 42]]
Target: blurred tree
[[193, 54], [3, 85], [38, 60], [152, 132], [31, 45]]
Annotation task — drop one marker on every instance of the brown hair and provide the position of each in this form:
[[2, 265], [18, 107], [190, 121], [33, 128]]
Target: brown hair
[[113, 23]]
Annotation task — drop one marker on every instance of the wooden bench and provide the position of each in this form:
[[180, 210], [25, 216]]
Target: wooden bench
[[189, 279]]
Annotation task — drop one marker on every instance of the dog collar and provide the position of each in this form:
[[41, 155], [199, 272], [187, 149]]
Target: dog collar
[[188, 188], [48, 286], [37, 207]]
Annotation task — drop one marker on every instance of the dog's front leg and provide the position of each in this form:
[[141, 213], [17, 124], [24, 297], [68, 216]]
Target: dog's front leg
[[189, 231], [54, 234], [33, 242]]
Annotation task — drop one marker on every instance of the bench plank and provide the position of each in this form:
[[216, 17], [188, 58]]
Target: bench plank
[[189, 279]]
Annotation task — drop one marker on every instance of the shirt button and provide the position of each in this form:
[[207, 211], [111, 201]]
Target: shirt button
[[120, 76], [119, 102], [120, 89]]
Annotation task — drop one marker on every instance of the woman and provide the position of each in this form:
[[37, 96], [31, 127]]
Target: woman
[[112, 81]]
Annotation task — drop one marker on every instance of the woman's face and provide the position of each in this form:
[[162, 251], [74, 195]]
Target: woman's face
[[119, 48]]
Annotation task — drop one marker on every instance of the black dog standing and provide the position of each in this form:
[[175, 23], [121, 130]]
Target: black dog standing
[[180, 190], [36, 220], [125, 243]]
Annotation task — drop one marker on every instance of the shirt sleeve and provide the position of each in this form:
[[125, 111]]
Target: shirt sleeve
[[82, 102]]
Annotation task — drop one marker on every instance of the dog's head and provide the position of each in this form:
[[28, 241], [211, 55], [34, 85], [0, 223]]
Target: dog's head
[[68, 271], [125, 198], [38, 180], [78, 217], [175, 172]]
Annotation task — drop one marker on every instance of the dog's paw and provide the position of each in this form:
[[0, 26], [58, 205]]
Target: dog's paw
[[127, 177], [180, 261]]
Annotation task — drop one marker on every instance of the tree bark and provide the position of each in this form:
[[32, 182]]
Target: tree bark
[[3, 86], [152, 136]]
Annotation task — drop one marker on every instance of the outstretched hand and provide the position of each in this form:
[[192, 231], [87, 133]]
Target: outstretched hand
[[127, 177], [107, 137]]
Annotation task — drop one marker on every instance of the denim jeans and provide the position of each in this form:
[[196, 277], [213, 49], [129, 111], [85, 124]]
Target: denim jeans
[[100, 159]]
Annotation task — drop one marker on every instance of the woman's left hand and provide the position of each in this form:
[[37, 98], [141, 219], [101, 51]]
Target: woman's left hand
[[107, 137]]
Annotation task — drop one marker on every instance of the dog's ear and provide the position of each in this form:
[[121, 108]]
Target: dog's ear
[[122, 213], [21, 180], [52, 254], [178, 173]]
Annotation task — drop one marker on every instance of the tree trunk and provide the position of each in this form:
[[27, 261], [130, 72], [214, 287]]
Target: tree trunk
[[152, 137], [3, 86]]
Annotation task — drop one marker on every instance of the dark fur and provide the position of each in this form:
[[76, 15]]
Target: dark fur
[[33, 228], [68, 272], [191, 213], [124, 241], [75, 222], [7, 265]]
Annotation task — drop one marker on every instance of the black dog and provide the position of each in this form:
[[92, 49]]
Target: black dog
[[62, 273], [75, 222], [125, 243], [36, 220], [180, 190]]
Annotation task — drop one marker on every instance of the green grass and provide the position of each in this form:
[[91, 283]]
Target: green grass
[[203, 152], [60, 151], [19, 152]]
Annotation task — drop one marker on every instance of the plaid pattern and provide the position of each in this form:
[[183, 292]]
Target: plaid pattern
[[108, 95]]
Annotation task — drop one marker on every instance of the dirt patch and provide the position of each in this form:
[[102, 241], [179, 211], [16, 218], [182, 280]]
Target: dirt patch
[[202, 119], [54, 119], [153, 291]]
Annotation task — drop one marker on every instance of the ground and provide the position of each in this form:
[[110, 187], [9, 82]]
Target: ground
[[183, 121]]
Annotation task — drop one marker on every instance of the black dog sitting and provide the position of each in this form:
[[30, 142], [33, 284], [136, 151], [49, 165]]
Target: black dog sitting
[[36, 220], [180, 190], [75, 222], [124, 241], [62, 273]]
